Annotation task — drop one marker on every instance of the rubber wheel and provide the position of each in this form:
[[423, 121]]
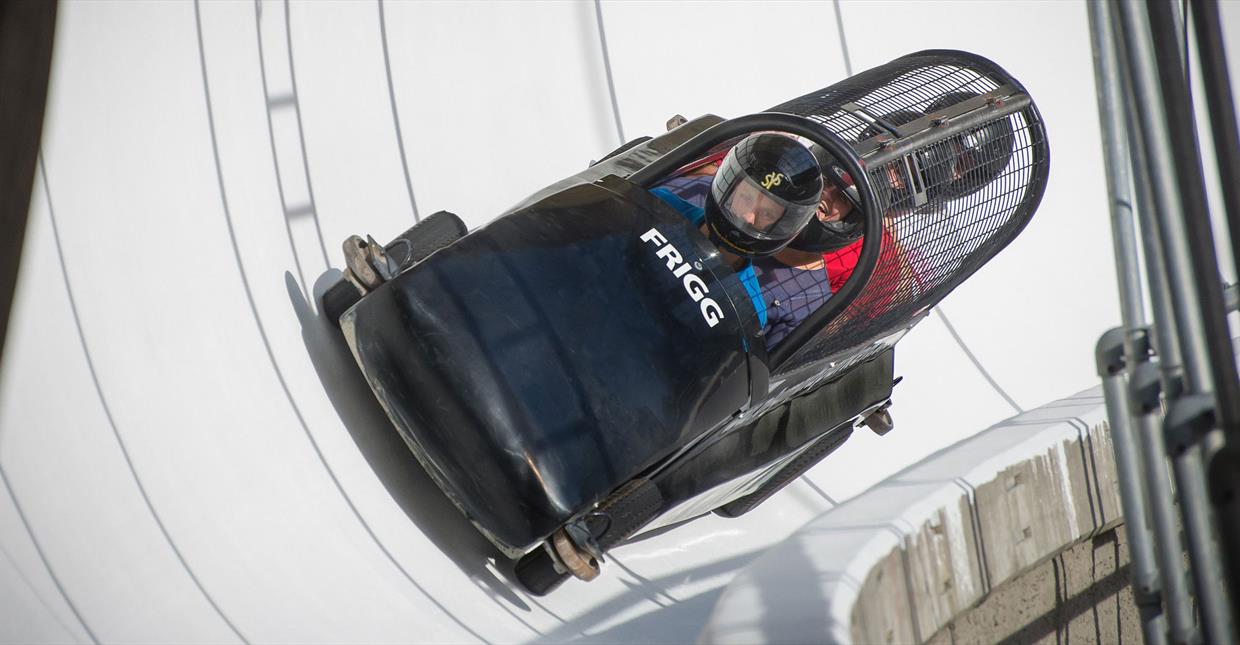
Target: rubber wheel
[[337, 300], [536, 572]]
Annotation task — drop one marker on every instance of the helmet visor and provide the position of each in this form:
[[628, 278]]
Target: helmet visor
[[761, 214]]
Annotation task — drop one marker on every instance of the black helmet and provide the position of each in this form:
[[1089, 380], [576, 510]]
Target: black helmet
[[766, 189], [893, 186], [831, 235], [967, 162]]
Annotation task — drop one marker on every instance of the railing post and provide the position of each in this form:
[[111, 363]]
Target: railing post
[[1224, 468], [1161, 101], [1117, 349], [1146, 584]]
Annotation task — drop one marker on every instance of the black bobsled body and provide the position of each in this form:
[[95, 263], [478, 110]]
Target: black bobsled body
[[587, 365], [544, 360]]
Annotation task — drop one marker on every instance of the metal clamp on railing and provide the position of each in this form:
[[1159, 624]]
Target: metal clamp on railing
[[1189, 418]]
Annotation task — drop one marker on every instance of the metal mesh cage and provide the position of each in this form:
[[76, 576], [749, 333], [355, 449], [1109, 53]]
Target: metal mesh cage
[[942, 219]]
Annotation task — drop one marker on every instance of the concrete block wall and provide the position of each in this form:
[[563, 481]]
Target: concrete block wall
[[1081, 595], [901, 561]]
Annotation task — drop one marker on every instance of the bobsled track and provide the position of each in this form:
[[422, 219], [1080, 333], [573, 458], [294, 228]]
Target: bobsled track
[[187, 453]]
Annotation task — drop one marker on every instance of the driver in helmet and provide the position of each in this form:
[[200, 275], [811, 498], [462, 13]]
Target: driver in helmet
[[764, 192]]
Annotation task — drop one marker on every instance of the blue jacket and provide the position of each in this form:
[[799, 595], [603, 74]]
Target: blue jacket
[[691, 188]]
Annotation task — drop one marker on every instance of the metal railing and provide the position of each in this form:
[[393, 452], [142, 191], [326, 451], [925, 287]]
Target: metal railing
[[1182, 361]]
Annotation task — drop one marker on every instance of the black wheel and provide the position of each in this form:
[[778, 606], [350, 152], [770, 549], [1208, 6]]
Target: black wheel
[[536, 572], [337, 299], [424, 238]]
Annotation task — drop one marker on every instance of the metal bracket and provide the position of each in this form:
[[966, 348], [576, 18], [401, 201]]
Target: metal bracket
[[862, 115], [1145, 389], [874, 156], [880, 421], [939, 125], [583, 538], [1188, 419], [1175, 385], [357, 253], [569, 555], [1142, 347], [1109, 352], [1147, 591], [917, 184]]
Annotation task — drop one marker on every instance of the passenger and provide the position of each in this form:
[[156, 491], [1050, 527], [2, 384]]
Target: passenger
[[840, 222], [842, 260], [950, 170], [970, 161], [766, 189]]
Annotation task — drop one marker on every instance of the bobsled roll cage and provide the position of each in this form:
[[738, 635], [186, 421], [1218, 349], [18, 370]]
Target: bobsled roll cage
[[895, 143]]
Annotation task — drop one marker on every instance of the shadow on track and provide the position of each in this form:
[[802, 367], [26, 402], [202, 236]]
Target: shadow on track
[[401, 474]]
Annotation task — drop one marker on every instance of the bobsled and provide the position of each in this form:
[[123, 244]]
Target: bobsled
[[586, 366]]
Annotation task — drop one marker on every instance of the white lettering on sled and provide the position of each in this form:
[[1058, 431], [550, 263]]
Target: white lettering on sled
[[694, 284]]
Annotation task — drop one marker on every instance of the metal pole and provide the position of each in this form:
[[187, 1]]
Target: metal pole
[[1184, 421], [1221, 430], [1216, 369], [1146, 388], [1116, 160], [1117, 349], [1222, 110], [1185, 447], [1223, 469], [1146, 585], [1168, 206]]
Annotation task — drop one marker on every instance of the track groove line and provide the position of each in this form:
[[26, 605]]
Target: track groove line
[[271, 355], [839, 27], [8, 557], [301, 135], [271, 136], [976, 362], [43, 556], [400, 139], [611, 84], [107, 410]]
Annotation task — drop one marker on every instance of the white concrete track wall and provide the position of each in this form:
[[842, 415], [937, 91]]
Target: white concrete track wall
[[186, 453], [899, 562]]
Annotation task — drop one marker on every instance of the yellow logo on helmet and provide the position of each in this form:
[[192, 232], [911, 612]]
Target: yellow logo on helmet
[[772, 179]]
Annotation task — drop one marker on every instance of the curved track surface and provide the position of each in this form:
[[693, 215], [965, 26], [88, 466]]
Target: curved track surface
[[187, 453]]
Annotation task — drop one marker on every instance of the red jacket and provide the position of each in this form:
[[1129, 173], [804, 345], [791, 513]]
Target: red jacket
[[840, 264], [893, 278]]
